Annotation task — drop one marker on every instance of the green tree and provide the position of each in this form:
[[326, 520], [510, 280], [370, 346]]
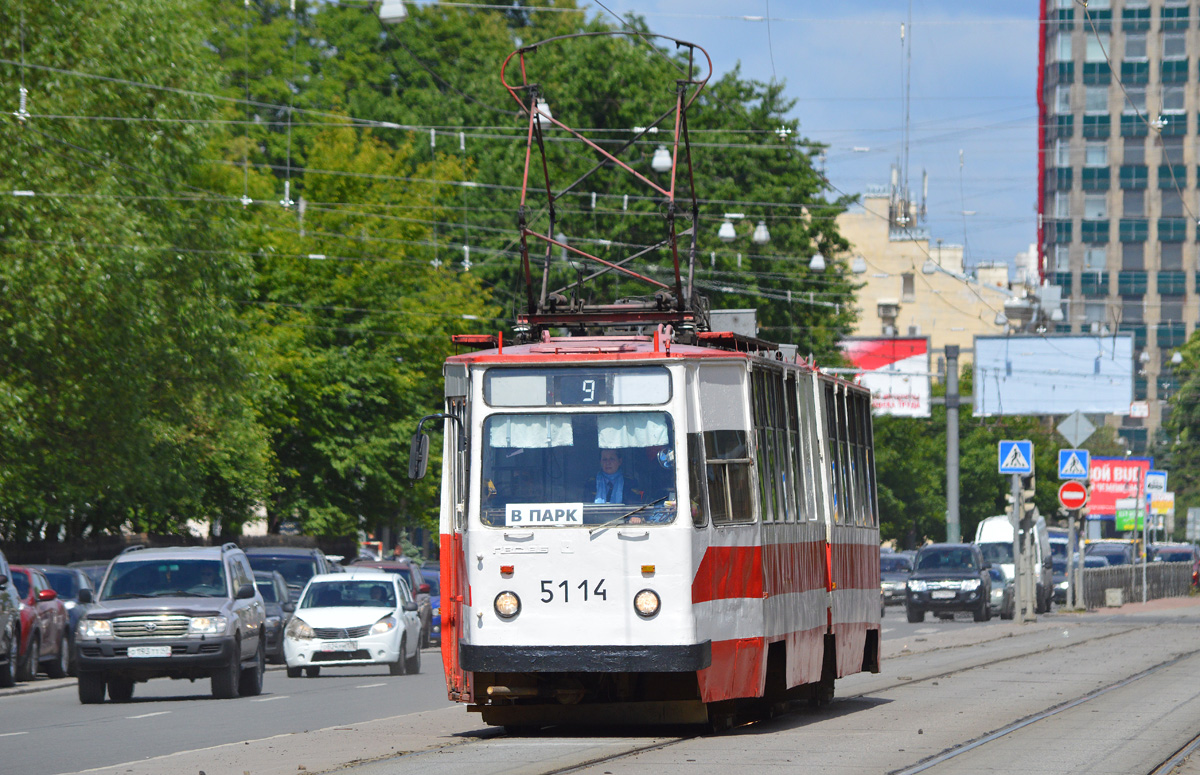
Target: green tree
[[123, 373]]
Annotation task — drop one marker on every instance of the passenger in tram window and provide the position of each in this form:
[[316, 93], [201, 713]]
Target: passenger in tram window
[[612, 484]]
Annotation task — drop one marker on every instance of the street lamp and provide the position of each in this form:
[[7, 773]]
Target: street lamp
[[392, 11], [661, 161], [818, 263], [858, 265], [761, 235]]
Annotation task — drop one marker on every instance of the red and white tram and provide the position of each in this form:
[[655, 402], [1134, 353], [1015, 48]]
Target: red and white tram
[[647, 528], [740, 562]]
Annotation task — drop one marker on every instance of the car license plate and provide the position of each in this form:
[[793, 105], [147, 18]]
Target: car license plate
[[149, 651], [942, 594], [339, 645]]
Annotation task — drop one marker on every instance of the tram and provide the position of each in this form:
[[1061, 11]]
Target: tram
[[642, 519]]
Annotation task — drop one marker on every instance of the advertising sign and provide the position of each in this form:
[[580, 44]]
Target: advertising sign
[[895, 370], [1114, 478], [1129, 516], [1053, 374]]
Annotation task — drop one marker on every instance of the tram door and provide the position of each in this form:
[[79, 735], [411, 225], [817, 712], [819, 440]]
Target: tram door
[[455, 493]]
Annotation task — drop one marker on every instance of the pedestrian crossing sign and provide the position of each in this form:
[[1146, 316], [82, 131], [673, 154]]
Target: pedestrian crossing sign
[[1074, 463], [1016, 457]]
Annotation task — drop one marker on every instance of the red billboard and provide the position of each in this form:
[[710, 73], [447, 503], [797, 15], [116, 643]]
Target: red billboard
[[895, 369], [1113, 478]]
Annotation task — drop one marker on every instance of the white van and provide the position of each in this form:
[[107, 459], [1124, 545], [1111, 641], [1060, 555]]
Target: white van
[[995, 538]]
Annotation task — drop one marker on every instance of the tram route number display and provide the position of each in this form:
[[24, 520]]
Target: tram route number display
[[565, 592], [543, 514]]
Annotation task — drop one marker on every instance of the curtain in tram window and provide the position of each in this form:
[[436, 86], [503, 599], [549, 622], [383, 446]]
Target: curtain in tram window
[[531, 431], [632, 429]]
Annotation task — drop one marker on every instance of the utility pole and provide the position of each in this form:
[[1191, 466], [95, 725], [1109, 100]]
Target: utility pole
[[1015, 518], [953, 526]]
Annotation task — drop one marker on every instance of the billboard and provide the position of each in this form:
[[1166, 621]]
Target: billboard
[[1035, 374], [896, 370], [1114, 479]]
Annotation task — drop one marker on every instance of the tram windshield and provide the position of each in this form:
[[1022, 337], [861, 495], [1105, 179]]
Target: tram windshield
[[564, 470]]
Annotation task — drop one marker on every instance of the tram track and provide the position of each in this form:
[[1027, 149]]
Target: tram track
[[1161, 768]]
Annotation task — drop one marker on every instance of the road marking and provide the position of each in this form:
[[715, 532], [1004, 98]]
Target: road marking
[[369, 686], [148, 715], [12, 734], [272, 698]]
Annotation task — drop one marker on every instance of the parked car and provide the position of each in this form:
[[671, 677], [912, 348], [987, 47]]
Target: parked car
[[296, 564], [68, 583], [1114, 551], [947, 578], [412, 575], [1003, 601], [360, 617], [894, 570], [45, 643], [183, 612], [94, 569], [434, 580], [1170, 552], [10, 625], [1060, 581], [278, 600]]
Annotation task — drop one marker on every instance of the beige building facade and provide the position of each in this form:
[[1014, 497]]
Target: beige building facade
[[915, 287]]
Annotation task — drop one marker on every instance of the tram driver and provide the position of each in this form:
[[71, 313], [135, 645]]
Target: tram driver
[[612, 484]]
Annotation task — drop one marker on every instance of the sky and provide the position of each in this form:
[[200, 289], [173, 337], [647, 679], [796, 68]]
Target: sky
[[972, 104]]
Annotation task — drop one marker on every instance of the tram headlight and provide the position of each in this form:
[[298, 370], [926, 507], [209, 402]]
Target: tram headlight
[[646, 603], [507, 605]]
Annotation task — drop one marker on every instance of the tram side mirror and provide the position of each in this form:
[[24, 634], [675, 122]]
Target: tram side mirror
[[418, 456]]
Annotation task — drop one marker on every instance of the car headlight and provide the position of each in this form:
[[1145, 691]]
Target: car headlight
[[70, 604], [383, 625], [970, 584], [437, 611], [1061, 585], [646, 603], [298, 628], [95, 628], [207, 625], [916, 585], [507, 605]]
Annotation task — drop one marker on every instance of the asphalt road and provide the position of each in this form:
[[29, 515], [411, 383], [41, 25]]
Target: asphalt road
[[49, 732]]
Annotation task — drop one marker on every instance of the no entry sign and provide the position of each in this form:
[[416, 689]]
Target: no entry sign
[[1073, 495]]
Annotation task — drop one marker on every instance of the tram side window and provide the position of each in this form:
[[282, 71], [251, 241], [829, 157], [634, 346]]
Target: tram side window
[[784, 479], [831, 437], [766, 468], [810, 489], [795, 479], [727, 454], [696, 480]]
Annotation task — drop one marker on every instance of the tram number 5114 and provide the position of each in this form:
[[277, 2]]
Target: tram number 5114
[[565, 590]]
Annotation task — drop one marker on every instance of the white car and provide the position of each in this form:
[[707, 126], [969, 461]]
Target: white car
[[363, 617]]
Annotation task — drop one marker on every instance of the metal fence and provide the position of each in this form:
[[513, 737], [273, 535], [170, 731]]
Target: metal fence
[[1163, 579]]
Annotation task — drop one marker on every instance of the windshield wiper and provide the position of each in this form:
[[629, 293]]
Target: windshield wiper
[[624, 517], [127, 595], [178, 593]]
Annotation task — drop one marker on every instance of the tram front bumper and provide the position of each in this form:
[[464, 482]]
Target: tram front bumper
[[585, 659]]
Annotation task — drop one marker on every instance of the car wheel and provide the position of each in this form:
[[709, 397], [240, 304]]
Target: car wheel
[[412, 666], [60, 666], [32, 655], [8, 672], [312, 672], [915, 615], [225, 679], [72, 662], [251, 682], [120, 689], [295, 672], [91, 688], [397, 667]]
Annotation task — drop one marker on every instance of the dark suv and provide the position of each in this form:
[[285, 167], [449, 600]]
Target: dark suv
[[10, 622], [296, 565], [189, 612], [947, 578]]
